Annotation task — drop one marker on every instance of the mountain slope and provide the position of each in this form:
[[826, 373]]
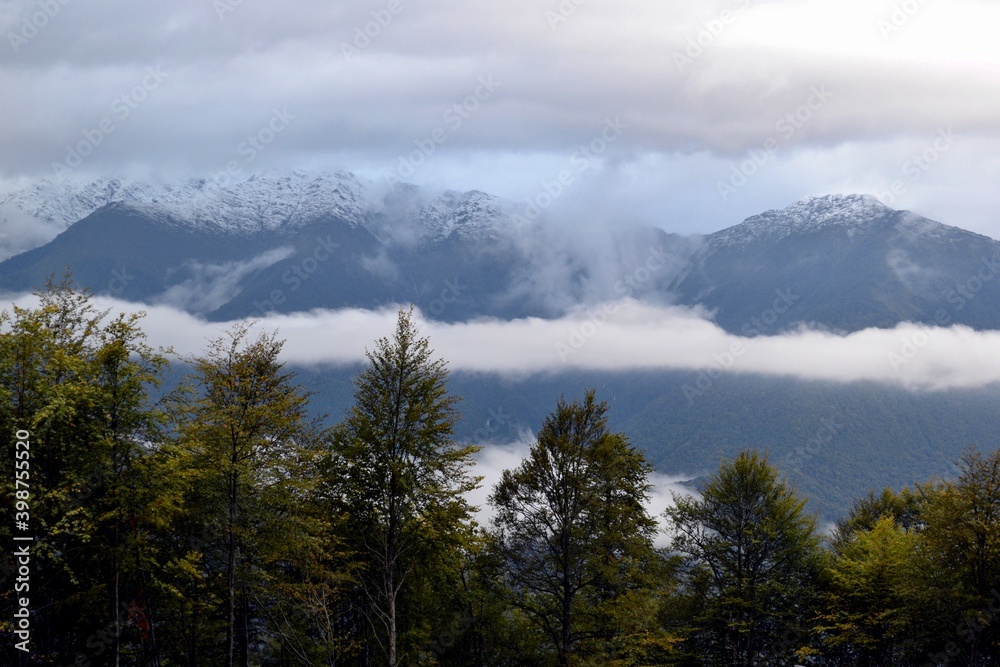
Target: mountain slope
[[844, 263], [833, 442], [301, 241]]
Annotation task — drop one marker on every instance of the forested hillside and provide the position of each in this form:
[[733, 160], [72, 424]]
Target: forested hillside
[[222, 523], [833, 441]]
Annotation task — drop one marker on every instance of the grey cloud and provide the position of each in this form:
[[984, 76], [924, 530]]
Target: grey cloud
[[228, 70], [22, 231]]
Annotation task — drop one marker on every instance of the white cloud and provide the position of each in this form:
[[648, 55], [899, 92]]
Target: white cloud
[[615, 336], [213, 284]]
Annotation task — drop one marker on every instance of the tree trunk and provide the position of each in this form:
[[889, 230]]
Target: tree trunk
[[243, 643], [231, 575], [567, 604], [117, 605], [390, 586], [392, 625]]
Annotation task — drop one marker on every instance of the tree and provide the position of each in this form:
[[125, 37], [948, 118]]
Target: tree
[[400, 478], [243, 434], [571, 531], [902, 508], [867, 614], [81, 386], [754, 555], [960, 541]]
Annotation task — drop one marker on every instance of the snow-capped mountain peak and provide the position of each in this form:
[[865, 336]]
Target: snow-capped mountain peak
[[851, 212], [257, 203], [262, 203]]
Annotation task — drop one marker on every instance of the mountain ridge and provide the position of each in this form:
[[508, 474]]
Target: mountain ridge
[[259, 203], [852, 261]]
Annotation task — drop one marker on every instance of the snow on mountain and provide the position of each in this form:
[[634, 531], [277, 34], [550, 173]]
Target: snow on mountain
[[260, 203], [256, 204], [851, 213], [472, 215]]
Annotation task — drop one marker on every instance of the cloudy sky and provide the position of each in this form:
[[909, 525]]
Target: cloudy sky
[[699, 114]]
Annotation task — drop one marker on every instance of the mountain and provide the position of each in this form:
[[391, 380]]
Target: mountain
[[300, 241], [844, 262], [258, 203]]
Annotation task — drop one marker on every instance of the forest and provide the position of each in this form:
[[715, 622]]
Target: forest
[[222, 523]]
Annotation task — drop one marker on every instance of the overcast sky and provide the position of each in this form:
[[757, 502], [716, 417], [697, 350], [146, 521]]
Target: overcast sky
[[697, 114]]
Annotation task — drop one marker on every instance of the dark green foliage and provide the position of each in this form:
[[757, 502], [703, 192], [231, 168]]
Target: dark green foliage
[[399, 478], [245, 466], [79, 383], [754, 557], [222, 525], [573, 538]]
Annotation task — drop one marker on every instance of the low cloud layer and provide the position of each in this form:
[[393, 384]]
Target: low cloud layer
[[621, 335]]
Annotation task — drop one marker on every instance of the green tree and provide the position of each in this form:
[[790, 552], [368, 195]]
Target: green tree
[[960, 542], [572, 534], [81, 384], [754, 556], [244, 440], [903, 508], [868, 610], [400, 479]]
